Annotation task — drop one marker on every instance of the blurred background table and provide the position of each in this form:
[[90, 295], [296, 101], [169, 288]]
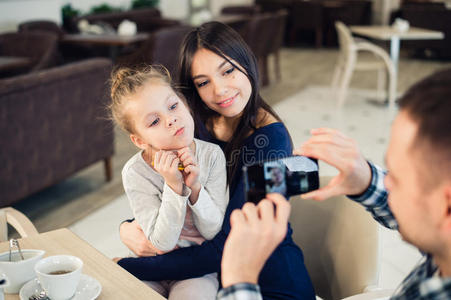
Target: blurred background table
[[112, 41]]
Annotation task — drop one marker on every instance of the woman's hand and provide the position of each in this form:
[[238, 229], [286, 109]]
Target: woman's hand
[[336, 149], [167, 165], [134, 238], [256, 231], [116, 259]]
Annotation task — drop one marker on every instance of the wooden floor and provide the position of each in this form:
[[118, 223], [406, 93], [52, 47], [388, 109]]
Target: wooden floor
[[78, 196]]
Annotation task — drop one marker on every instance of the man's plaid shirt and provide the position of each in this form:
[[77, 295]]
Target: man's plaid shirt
[[421, 283]]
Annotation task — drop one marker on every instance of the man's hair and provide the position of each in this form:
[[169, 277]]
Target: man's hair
[[428, 104]]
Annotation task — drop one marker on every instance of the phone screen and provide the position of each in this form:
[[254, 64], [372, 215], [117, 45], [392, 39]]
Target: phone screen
[[289, 176]]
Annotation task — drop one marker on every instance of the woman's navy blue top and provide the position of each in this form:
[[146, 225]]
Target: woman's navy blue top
[[284, 275]]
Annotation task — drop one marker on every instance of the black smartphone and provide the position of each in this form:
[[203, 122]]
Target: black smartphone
[[289, 176]]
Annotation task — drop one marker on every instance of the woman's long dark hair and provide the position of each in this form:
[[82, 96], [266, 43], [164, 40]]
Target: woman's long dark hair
[[227, 43]]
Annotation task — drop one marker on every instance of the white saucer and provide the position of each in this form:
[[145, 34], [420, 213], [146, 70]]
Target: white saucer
[[88, 289]]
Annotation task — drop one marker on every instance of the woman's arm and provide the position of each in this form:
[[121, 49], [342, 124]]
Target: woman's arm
[[179, 264], [134, 238]]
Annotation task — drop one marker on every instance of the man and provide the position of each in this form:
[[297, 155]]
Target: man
[[416, 197]]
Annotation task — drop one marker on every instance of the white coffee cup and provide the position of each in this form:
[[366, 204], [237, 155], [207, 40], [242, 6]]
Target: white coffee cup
[[18, 270], [59, 275]]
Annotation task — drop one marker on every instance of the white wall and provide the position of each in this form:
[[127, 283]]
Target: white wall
[[13, 12], [217, 5], [86, 5], [174, 9]]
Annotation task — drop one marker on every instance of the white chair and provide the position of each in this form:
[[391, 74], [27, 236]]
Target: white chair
[[347, 63], [340, 241], [17, 220]]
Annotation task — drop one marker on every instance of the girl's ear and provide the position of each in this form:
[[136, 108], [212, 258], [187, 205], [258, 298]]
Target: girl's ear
[[138, 141]]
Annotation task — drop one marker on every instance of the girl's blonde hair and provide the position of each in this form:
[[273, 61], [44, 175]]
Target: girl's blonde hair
[[125, 82]]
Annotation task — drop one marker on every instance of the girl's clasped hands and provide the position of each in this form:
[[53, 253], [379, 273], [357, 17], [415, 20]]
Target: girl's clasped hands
[[178, 168]]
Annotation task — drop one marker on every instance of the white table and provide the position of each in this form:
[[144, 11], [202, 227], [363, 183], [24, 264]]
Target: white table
[[388, 33]]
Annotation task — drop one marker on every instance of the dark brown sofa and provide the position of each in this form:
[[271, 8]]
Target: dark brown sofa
[[147, 20], [52, 124]]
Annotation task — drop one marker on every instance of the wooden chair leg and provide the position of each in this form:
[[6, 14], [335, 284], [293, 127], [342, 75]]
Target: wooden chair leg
[[108, 169]]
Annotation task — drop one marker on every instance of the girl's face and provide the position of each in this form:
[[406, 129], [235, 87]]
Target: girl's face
[[160, 118], [221, 86], [276, 175]]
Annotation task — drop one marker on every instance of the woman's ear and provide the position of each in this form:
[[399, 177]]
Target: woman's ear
[[138, 141]]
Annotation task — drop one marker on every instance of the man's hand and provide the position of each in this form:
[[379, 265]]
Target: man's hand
[[256, 232], [134, 238], [167, 165], [336, 149]]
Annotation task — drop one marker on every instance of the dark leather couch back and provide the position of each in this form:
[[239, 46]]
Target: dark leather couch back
[[41, 25], [52, 124]]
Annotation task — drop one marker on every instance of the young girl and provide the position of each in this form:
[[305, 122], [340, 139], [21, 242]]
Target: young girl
[[176, 184]]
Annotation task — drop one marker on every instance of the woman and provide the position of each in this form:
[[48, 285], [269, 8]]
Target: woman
[[220, 80]]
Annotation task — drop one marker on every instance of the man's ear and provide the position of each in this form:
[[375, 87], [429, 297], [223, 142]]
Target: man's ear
[[138, 141], [447, 194]]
